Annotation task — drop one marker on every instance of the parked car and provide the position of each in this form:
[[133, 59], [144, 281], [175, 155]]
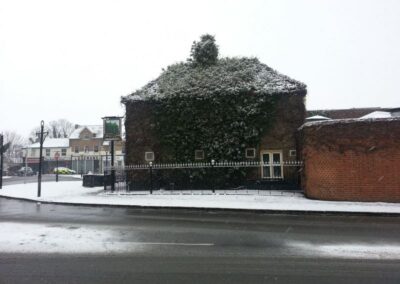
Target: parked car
[[25, 170], [64, 171]]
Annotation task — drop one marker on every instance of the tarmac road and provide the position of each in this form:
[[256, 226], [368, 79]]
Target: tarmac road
[[73, 244], [29, 179]]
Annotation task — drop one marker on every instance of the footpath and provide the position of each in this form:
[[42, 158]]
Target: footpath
[[72, 192]]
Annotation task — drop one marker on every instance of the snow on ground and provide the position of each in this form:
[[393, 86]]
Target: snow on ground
[[42, 238], [346, 250], [73, 192]]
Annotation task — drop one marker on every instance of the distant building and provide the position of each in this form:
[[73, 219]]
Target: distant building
[[51, 147], [89, 153], [372, 112]]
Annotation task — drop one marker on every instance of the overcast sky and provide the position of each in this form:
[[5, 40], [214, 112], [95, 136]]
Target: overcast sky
[[75, 59]]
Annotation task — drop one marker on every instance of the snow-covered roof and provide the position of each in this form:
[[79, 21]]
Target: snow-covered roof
[[94, 129], [317, 117], [377, 114], [52, 143], [227, 75], [346, 121]]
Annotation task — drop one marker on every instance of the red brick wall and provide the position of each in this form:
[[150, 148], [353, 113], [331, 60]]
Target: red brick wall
[[352, 160]]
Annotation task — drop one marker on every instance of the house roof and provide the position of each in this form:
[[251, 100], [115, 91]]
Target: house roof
[[228, 75], [94, 129], [377, 114], [347, 121], [344, 113], [317, 117], [52, 143]]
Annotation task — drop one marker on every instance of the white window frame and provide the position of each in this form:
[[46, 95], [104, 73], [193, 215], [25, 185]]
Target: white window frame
[[250, 156], [292, 153], [48, 152], [63, 152], [149, 156], [271, 165], [199, 154]]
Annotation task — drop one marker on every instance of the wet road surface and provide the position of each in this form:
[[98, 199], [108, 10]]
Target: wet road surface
[[72, 244], [31, 179]]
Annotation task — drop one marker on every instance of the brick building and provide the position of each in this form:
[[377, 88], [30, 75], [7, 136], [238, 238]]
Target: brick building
[[89, 152], [352, 159], [240, 80]]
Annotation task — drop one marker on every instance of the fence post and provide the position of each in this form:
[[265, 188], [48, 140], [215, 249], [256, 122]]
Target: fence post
[[212, 175], [105, 180], [151, 177]]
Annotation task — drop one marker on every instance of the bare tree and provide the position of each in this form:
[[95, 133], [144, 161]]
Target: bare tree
[[60, 128], [15, 143]]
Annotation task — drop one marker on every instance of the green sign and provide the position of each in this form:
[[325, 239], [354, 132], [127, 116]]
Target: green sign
[[112, 128]]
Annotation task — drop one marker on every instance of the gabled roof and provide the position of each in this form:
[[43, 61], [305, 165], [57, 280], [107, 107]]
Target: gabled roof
[[228, 75], [94, 129], [52, 143]]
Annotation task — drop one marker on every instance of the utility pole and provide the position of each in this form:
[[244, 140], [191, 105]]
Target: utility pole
[[2, 158], [41, 137]]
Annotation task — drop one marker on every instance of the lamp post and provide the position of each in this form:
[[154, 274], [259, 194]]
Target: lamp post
[[57, 156], [41, 135]]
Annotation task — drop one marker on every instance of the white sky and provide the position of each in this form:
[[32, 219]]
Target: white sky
[[75, 59]]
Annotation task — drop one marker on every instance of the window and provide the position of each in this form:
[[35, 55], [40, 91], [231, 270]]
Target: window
[[250, 153], [149, 156], [86, 137], [86, 149], [94, 135], [292, 153], [96, 149], [272, 167], [199, 155], [76, 149], [64, 152], [48, 152]]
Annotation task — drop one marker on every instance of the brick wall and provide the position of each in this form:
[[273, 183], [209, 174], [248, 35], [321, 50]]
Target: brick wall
[[352, 160]]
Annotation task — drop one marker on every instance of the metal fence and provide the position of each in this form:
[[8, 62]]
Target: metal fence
[[211, 176]]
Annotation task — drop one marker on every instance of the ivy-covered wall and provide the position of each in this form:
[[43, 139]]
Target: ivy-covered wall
[[222, 127]]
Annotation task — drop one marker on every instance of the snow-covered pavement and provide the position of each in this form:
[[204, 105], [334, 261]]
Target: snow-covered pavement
[[73, 192]]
